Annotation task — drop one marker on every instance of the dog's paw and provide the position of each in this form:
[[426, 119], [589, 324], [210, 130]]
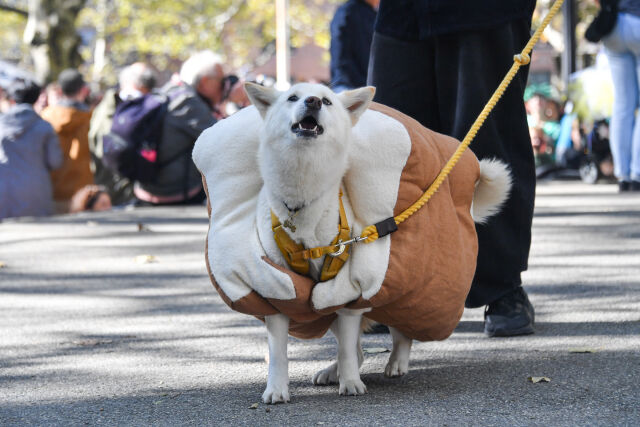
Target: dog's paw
[[327, 375], [352, 387], [396, 368], [276, 394]]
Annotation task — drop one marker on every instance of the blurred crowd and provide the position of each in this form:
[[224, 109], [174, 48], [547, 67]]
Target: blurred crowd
[[64, 149], [562, 144]]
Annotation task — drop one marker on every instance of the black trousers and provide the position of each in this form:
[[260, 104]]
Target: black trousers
[[444, 82]]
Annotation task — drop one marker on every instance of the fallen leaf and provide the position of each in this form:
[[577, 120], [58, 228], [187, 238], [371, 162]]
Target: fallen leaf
[[142, 227], [267, 410], [145, 259], [254, 406], [2, 264], [375, 350], [582, 350], [536, 380]]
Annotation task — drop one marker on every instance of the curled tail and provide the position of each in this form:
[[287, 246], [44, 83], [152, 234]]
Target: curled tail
[[492, 190]]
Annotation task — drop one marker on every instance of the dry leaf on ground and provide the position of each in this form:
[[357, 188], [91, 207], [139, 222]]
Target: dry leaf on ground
[[539, 379], [2, 264], [143, 227], [254, 406], [145, 259]]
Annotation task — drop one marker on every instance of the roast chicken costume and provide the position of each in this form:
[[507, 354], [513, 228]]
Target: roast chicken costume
[[422, 272]]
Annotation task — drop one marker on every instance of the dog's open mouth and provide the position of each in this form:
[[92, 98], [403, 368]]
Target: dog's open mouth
[[308, 127]]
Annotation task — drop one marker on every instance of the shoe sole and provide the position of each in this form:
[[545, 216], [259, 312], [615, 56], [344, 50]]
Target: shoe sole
[[525, 330]]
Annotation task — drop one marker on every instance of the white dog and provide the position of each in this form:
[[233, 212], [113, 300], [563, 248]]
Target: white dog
[[304, 154]]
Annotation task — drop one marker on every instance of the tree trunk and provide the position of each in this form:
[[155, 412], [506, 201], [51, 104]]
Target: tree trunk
[[52, 37]]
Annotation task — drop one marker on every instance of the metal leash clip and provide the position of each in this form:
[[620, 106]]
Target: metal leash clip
[[342, 246]]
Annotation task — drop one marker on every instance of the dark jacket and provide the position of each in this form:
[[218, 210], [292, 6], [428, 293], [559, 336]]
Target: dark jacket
[[421, 19], [187, 116], [120, 188], [351, 33], [29, 150]]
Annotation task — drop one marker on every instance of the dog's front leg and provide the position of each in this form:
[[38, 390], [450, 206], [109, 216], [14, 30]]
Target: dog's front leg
[[278, 380], [348, 332]]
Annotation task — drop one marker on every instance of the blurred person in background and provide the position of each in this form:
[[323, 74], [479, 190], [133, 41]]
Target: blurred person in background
[[29, 150], [70, 118], [4, 101], [93, 198], [134, 81], [351, 34], [234, 97], [192, 104], [622, 47]]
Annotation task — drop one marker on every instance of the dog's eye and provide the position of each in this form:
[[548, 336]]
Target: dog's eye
[[325, 101], [293, 98]]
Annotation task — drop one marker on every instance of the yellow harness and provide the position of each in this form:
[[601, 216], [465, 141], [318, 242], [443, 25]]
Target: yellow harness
[[298, 257]]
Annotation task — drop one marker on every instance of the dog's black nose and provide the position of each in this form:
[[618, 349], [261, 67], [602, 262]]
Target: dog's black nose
[[313, 103]]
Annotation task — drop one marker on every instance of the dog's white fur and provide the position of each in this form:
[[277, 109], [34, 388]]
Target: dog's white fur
[[307, 173]]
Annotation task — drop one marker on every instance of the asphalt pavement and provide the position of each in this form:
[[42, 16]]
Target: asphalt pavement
[[110, 319]]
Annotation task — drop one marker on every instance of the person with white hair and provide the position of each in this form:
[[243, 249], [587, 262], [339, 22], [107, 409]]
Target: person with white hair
[[191, 108], [136, 80]]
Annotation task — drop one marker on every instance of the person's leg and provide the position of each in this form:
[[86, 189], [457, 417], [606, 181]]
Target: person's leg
[[633, 41], [444, 83], [469, 68], [625, 99]]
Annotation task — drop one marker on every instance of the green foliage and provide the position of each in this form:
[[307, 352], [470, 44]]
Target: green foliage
[[11, 33], [166, 32]]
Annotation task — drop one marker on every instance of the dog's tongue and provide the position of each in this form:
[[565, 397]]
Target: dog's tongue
[[308, 123]]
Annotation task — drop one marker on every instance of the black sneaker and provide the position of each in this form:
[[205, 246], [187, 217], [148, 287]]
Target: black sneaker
[[510, 315], [624, 186], [634, 186]]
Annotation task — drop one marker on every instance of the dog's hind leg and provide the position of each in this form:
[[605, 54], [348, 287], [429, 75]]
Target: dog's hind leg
[[329, 375], [398, 364], [278, 380]]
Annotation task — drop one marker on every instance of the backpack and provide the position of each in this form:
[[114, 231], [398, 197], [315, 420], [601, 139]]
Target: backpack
[[131, 147]]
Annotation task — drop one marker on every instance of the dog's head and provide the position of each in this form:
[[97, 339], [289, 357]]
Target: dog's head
[[309, 114]]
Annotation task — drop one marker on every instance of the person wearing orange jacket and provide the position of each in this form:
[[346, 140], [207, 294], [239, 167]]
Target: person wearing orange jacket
[[70, 118]]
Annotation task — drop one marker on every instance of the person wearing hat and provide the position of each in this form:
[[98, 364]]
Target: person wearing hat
[[29, 150], [70, 118]]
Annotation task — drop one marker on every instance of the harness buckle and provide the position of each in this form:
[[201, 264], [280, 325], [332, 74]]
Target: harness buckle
[[342, 246]]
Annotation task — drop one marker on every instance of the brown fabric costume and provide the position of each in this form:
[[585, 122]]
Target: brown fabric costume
[[432, 259]]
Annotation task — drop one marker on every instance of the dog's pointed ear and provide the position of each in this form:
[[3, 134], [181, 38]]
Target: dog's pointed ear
[[357, 101], [260, 96]]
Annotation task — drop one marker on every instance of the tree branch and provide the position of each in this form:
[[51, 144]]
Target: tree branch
[[8, 8]]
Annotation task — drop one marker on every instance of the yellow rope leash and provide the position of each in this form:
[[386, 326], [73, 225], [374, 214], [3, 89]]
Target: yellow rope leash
[[523, 58]]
